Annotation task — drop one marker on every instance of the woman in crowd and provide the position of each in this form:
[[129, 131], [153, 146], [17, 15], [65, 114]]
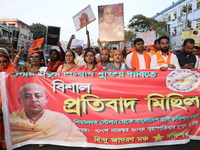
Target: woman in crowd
[[55, 62], [5, 62], [70, 64], [105, 58], [5, 66], [21, 67], [117, 64], [35, 66], [91, 64]]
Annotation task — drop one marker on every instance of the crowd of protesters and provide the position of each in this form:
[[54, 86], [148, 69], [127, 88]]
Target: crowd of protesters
[[138, 57]]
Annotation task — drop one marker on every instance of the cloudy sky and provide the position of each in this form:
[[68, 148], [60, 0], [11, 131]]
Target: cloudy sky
[[60, 13]]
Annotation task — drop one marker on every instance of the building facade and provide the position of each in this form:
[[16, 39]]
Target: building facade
[[6, 32], [25, 36], [184, 14]]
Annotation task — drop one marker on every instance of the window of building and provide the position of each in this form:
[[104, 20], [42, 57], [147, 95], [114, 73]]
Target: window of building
[[163, 19], [181, 12], [181, 28], [197, 24], [166, 18], [12, 25], [174, 16], [198, 3], [174, 31], [169, 17]]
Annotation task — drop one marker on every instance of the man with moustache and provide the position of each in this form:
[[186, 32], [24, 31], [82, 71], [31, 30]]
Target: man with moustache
[[186, 59], [138, 59], [164, 59], [33, 122]]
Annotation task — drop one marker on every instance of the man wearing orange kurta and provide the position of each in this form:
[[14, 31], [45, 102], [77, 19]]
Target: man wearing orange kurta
[[33, 122]]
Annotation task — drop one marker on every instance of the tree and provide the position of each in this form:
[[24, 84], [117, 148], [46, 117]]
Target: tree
[[143, 24], [129, 35], [38, 30]]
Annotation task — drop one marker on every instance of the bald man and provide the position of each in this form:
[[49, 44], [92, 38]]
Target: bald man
[[109, 29], [34, 122]]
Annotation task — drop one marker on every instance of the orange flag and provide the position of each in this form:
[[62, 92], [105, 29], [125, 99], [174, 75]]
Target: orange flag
[[36, 44]]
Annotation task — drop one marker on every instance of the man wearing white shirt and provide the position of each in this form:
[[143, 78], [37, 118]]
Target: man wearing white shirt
[[78, 54], [138, 59], [164, 59]]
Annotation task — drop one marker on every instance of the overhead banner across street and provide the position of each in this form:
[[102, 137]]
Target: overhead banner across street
[[109, 110]]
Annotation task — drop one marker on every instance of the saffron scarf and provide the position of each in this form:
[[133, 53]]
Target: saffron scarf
[[10, 68], [161, 60], [135, 60]]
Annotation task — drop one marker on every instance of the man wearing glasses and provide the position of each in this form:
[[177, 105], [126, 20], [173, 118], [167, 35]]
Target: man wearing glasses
[[186, 59]]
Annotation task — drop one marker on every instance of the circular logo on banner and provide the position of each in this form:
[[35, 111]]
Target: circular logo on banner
[[182, 80]]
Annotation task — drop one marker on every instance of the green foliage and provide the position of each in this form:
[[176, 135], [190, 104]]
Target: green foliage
[[38, 30], [143, 24], [129, 35]]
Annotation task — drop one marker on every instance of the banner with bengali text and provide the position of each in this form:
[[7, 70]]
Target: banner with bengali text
[[109, 110]]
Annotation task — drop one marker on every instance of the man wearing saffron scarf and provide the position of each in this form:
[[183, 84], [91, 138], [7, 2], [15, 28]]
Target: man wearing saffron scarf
[[164, 59], [156, 47], [139, 58], [33, 122]]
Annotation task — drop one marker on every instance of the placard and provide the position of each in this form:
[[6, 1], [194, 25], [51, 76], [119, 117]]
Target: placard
[[111, 22], [53, 35], [83, 18], [148, 37], [15, 37]]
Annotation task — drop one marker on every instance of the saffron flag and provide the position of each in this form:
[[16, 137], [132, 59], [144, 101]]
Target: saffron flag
[[36, 44]]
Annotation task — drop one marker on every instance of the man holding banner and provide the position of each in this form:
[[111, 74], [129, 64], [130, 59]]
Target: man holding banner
[[164, 59], [138, 59], [33, 122]]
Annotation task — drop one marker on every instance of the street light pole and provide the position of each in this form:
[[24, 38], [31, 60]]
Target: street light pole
[[186, 18], [186, 9]]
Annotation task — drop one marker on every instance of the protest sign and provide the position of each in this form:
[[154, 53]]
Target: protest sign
[[148, 37], [58, 49], [53, 35], [111, 22], [76, 42], [15, 37], [83, 18], [188, 33]]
